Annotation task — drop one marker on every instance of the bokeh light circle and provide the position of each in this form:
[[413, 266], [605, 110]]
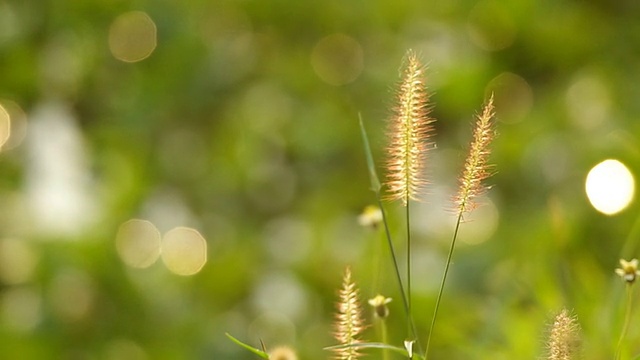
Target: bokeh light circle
[[5, 126], [337, 59], [610, 187], [132, 36], [15, 130], [17, 261], [138, 243], [513, 97], [184, 251]]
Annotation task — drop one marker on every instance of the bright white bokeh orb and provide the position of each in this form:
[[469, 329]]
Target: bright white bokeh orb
[[610, 187]]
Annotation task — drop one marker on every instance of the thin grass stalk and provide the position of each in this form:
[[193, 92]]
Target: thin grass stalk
[[410, 129], [627, 319], [376, 187], [444, 280], [476, 169], [403, 294], [408, 216], [385, 338]]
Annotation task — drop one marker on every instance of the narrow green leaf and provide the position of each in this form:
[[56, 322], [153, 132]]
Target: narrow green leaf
[[260, 353], [375, 182]]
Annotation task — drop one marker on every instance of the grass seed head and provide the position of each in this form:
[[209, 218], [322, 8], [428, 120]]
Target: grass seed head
[[410, 130]]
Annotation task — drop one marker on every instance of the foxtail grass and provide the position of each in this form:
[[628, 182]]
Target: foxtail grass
[[410, 132], [564, 339], [476, 170], [348, 321], [376, 187]]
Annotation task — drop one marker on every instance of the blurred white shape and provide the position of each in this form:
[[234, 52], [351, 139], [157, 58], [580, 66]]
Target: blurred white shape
[[588, 102], [610, 187], [138, 243], [281, 293], [184, 251], [288, 240], [58, 181], [166, 209], [481, 223]]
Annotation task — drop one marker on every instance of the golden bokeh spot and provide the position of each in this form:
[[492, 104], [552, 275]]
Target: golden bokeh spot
[[610, 187], [17, 261], [20, 308], [513, 97], [337, 59], [17, 124], [184, 251], [132, 36], [138, 243], [5, 126], [71, 284]]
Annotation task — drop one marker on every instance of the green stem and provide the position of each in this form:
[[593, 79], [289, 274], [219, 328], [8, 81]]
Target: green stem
[[385, 338], [397, 270], [408, 215], [375, 187], [627, 318], [444, 279]]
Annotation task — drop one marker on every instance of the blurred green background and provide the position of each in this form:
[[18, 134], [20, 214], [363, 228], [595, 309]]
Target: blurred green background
[[239, 119]]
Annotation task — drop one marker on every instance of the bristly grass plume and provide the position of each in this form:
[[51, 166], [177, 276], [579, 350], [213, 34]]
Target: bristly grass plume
[[349, 322], [476, 167], [476, 170], [563, 338], [409, 132]]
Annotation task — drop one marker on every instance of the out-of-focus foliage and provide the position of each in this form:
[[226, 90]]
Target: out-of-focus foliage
[[236, 122]]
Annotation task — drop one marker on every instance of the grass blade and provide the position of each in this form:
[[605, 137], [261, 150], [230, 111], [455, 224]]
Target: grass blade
[[258, 352]]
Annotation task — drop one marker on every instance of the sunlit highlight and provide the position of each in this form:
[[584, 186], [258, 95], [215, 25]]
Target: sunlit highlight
[[138, 243], [610, 187], [132, 36], [15, 130], [5, 126], [184, 251]]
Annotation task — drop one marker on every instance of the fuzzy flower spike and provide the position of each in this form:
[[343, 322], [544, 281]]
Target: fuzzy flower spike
[[476, 167], [564, 337], [410, 131], [349, 322]]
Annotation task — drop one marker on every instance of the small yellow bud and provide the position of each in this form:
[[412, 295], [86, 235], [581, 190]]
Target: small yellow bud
[[628, 270], [370, 217], [380, 307]]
